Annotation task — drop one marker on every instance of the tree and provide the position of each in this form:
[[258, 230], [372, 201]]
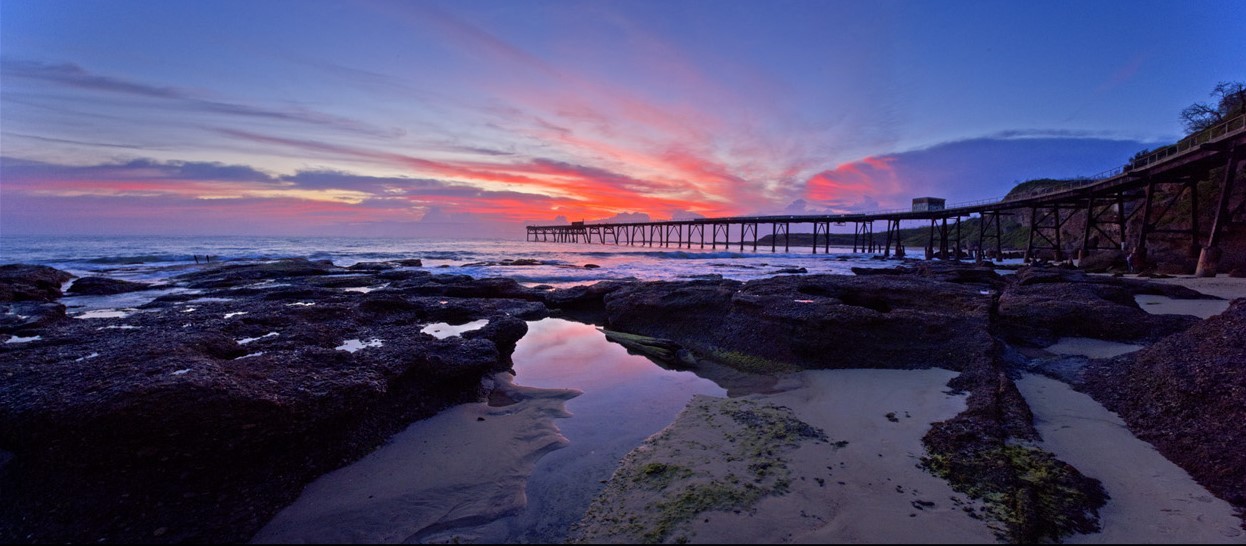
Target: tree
[[1230, 101]]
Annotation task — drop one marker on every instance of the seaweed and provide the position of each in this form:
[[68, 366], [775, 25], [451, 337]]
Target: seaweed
[[1037, 497]]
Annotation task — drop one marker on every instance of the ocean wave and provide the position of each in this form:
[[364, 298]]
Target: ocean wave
[[141, 259], [559, 279], [444, 255], [670, 254]]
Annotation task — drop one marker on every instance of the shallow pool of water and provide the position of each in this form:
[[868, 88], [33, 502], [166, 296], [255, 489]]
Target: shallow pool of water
[[389, 494], [442, 330], [626, 399]]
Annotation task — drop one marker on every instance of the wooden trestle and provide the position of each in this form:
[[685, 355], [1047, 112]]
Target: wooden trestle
[[1107, 204]]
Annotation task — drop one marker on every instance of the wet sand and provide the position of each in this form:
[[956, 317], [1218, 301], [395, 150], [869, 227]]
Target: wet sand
[[1152, 499], [1224, 287], [430, 476], [1228, 288], [1090, 347], [862, 484]]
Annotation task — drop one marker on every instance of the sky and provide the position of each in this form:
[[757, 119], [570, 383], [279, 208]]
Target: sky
[[474, 118]]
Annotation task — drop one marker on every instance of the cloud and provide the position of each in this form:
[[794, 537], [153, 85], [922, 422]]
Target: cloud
[[591, 191], [1048, 133], [962, 171], [868, 176], [624, 218], [799, 206], [723, 153], [685, 215], [77, 142], [18, 171], [322, 179], [73, 76]]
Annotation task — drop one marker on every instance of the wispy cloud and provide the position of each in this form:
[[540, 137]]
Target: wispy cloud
[[590, 190], [78, 142], [73, 76]]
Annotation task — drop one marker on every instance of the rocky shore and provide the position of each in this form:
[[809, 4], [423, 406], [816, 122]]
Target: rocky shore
[[961, 318], [199, 415]]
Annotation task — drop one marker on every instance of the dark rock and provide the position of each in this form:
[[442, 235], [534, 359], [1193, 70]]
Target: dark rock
[[373, 266], [816, 321], [230, 275], [662, 351], [1046, 303], [26, 316], [1039, 274], [111, 429], [791, 271], [1103, 261], [104, 286], [21, 282], [897, 270], [1238, 273], [504, 332], [403, 274], [463, 286], [591, 266], [341, 281], [410, 262], [585, 303], [960, 273], [1186, 395]]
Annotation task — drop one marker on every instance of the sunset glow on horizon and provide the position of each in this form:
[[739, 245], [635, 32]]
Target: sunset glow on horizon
[[472, 119]]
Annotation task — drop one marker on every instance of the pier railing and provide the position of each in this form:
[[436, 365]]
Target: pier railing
[[1211, 134]]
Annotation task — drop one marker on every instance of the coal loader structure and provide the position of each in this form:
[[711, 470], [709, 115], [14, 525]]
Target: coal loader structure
[[1121, 210]]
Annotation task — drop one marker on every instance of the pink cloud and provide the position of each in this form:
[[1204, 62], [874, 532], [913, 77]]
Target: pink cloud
[[868, 178]]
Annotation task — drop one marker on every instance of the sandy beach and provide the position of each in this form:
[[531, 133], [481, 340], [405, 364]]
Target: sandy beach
[[432, 475], [1224, 287], [1090, 347], [1151, 500], [860, 483]]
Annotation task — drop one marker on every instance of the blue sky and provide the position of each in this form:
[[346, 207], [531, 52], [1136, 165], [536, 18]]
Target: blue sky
[[471, 118]]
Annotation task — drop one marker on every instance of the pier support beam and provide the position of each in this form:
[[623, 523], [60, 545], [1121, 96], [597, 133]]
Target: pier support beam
[[930, 241], [1209, 258]]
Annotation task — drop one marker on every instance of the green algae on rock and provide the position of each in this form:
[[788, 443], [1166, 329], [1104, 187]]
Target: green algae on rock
[[663, 485]]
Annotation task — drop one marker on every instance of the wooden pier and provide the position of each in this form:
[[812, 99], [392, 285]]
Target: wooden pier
[[1108, 202]]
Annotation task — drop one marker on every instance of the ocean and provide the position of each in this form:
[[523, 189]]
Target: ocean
[[154, 259]]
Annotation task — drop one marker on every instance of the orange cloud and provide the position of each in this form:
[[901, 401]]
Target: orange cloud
[[870, 177]]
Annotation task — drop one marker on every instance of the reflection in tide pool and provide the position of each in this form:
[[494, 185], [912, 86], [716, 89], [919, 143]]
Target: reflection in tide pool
[[105, 313], [442, 330], [626, 399]]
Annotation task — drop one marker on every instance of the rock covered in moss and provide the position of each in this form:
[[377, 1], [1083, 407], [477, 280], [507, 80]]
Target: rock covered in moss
[[659, 490]]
